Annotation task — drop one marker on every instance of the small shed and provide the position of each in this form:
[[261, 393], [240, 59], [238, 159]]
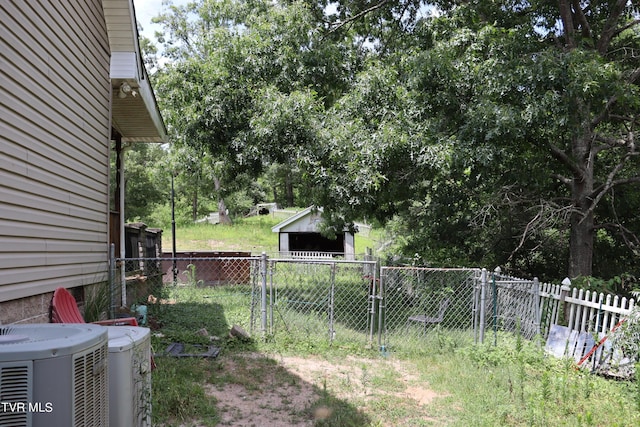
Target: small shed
[[299, 235]]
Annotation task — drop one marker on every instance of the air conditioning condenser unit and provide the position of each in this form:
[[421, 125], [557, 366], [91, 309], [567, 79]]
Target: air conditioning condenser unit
[[54, 374], [129, 376]]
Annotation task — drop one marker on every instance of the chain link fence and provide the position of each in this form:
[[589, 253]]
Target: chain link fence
[[510, 305], [322, 300], [416, 304], [341, 302], [235, 282]]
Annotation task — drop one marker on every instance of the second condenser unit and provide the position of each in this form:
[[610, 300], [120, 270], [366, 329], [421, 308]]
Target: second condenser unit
[[129, 376]]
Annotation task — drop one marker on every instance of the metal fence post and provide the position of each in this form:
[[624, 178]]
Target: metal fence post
[[332, 332], [381, 313], [263, 302], [536, 295], [373, 286], [496, 272], [112, 279], [483, 293]]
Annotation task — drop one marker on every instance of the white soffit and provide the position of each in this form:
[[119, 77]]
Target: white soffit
[[136, 116]]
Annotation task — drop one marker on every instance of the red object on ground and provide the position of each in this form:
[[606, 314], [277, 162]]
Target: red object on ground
[[595, 347], [65, 310]]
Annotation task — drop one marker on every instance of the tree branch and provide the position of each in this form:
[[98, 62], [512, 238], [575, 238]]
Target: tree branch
[[631, 180], [357, 16], [562, 156], [563, 179], [609, 31], [567, 23], [611, 182], [626, 27], [548, 216], [635, 75], [610, 141], [586, 29], [600, 117], [631, 240]]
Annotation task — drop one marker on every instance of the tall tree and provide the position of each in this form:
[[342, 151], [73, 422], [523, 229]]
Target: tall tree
[[540, 101], [246, 80], [143, 188], [495, 132], [566, 96]]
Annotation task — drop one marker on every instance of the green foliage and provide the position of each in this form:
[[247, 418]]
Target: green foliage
[[97, 302], [145, 188], [246, 83], [623, 284], [627, 337], [284, 182], [488, 133]]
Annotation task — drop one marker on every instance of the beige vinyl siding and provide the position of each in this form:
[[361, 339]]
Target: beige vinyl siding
[[55, 96]]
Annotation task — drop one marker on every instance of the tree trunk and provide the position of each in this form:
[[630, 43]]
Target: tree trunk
[[582, 218], [194, 205], [581, 245], [289, 188], [223, 214]]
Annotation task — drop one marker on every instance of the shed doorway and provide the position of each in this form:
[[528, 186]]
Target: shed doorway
[[315, 242]]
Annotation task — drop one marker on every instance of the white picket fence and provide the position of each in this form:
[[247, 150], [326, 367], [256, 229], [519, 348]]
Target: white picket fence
[[574, 322], [582, 310], [532, 308], [307, 254]]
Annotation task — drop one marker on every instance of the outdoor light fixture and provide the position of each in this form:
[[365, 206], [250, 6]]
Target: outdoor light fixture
[[125, 88]]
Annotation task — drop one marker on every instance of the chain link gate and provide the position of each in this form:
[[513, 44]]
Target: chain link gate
[[320, 300], [416, 304]]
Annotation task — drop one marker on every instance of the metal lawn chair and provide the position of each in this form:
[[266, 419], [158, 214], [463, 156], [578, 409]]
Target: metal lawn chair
[[432, 320]]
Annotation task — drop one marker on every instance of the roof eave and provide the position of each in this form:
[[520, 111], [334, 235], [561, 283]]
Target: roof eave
[[135, 115]]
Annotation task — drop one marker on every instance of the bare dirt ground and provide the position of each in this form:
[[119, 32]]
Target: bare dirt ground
[[282, 391]]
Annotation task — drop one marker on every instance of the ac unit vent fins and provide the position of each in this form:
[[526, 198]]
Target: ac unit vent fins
[[90, 388], [15, 387]]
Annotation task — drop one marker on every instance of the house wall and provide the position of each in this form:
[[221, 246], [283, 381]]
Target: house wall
[[54, 143]]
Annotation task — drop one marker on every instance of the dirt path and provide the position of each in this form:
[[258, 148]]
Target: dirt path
[[295, 392]]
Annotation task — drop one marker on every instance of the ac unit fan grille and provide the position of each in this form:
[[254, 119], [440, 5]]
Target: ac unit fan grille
[[90, 389], [15, 386]]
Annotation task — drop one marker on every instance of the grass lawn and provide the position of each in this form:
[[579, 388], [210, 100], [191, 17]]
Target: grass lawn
[[291, 381], [252, 234], [287, 382]]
